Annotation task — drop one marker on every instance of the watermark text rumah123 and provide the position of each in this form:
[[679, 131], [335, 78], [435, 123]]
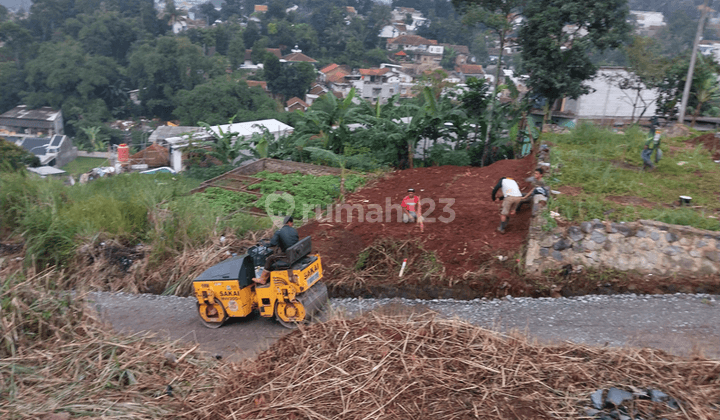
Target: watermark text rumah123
[[365, 212]]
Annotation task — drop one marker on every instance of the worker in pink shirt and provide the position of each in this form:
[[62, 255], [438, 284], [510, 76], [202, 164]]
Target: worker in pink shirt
[[411, 209]]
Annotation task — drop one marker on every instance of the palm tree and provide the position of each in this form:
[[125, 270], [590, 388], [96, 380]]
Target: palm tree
[[707, 91]]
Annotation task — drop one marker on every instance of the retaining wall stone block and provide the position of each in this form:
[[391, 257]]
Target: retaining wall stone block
[[586, 227], [598, 237], [575, 233], [672, 250]]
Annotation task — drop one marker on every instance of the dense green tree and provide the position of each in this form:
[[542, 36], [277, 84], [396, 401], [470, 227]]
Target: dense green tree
[[106, 33], [276, 10], [251, 34], [209, 13], [17, 43], [236, 52], [63, 70], [556, 39], [288, 80], [217, 101], [12, 82], [13, 157], [162, 68], [4, 14], [679, 33], [47, 16], [232, 9]]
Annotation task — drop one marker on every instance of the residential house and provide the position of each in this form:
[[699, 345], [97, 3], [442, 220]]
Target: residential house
[[183, 23], [262, 84], [296, 104], [260, 8], [390, 31], [316, 90], [40, 121], [462, 51], [382, 83], [607, 102], [465, 71], [56, 150], [400, 15], [178, 144], [164, 132], [337, 79], [249, 64], [647, 23], [414, 43], [296, 56], [247, 129], [710, 49], [330, 73]]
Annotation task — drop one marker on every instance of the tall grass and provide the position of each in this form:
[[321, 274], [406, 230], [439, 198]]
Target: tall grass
[[606, 163], [53, 219]]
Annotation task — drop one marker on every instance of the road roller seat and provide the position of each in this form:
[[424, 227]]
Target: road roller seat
[[294, 254]]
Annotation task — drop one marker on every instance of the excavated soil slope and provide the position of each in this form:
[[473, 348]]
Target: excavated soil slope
[[462, 243]]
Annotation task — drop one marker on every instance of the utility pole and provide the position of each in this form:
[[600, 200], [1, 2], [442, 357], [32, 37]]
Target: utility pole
[[691, 69]]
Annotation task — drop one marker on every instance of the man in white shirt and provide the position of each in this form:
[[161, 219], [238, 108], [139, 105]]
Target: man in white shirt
[[511, 197]]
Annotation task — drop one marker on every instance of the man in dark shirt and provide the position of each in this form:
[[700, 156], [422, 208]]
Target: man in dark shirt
[[283, 239]]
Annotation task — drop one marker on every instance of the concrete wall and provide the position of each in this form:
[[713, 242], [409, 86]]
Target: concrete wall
[[646, 246]]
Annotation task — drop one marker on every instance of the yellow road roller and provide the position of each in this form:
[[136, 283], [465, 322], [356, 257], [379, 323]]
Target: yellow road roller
[[293, 294]]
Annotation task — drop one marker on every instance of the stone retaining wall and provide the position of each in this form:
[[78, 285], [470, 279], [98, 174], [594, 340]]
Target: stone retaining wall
[[646, 246]]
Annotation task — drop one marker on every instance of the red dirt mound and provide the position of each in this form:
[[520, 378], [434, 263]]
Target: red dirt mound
[[710, 142], [460, 227]]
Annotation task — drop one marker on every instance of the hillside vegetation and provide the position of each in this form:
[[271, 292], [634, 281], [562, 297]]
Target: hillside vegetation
[[600, 173]]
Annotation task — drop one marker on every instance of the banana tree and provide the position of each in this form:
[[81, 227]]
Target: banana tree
[[225, 149], [327, 121]]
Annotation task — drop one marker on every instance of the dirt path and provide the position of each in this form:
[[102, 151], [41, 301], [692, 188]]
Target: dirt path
[[680, 324]]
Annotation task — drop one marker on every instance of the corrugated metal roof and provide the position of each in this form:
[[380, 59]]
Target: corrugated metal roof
[[246, 129], [23, 112]]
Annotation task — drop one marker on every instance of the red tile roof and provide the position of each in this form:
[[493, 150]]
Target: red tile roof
[[400, 53], [336, 77], [411, 40], [252, 83], [470, 69], [261, 8], [275, 51], [297, 57], [295, 100], [316, 90], [374, 72], [329, 68]]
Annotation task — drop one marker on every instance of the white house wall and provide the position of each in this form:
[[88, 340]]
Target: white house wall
[[607, 100]]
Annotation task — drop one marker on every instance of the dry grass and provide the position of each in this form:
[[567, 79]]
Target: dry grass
[[380, 263], [102, 265], [379, 367], [56, 357]]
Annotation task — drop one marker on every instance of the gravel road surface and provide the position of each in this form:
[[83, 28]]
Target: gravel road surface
[[680, 324]]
